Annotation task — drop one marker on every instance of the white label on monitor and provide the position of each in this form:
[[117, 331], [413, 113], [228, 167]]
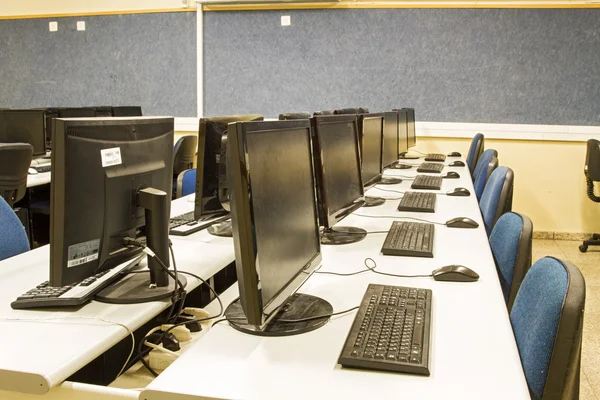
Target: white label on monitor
[[82, 253], [111, 157]]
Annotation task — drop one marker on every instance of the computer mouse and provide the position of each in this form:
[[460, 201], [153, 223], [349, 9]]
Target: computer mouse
[[459, 191], [461, 222], [456, 163], [455, 273], [451, 175], [454, 154], [32, 171]]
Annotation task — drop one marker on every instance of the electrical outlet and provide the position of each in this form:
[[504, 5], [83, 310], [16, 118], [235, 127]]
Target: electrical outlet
[[286, 20], [53, 26], [81, 25]]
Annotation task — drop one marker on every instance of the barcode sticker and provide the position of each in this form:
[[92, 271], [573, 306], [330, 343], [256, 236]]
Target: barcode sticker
[[111, 157], [82, 253]]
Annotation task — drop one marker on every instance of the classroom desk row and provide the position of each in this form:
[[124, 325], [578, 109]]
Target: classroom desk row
[[473, 351]]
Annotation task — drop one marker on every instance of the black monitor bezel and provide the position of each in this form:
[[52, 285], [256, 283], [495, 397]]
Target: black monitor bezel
[[402, 131], [390, 125], [39, 147], [373, 181]]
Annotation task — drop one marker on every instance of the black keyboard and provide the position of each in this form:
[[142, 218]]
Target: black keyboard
[[418, 202], [413, 239], [76, 294], [435, 157], [427, 182], [43, 168], [181, 220], [391, 331], [432, 168], [186, 224]]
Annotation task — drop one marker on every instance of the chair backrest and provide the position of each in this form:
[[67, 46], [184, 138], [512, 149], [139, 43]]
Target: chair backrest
[[477, 145], [15, 160], [547, 320], [487, 163], [510, 241], [497, 196], [13, 239], [186, 183], [184, 153]]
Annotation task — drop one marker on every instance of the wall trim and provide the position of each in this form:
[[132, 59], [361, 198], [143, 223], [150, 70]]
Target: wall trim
[[563, 133], [98, 13], [241, 5], [187, 124]]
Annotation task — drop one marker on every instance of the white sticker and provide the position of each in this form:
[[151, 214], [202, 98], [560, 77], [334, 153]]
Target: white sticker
[[111, 157], [82, 253]]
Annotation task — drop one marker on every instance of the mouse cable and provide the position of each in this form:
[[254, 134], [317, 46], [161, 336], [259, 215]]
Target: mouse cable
[[360, 233], [76, 317], [400, 217], [372, 269], [404, 177], [390, 190]]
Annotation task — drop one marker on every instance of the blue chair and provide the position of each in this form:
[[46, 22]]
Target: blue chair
[[547, 320], [487, 163], [13, 239], [475, 151], [184, 152], [497, 196], [510, 242], [186, 183]]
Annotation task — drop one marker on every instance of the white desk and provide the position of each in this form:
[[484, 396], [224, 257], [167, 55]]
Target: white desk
[[473, 351], [38, 179], [39, 355]]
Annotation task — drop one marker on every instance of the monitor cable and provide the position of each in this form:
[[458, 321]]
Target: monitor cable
[[371, 269], [401, 217]]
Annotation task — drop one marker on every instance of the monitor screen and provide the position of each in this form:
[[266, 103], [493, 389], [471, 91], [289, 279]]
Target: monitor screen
[[337, 161], [402, 132], [274, 213], [99, 165], [410, 125], [390, 139], [24, 126], [372, 132]]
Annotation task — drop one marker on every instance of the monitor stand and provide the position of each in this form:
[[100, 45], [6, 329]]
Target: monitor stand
[[398, 165], [296, 307], [156, 284], [342, 235], [389, 181], [373, 201], [407, 157], [222, 229]]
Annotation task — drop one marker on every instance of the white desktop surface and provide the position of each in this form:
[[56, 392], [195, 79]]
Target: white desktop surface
[[38, 355], [38, 179], [473, 351]]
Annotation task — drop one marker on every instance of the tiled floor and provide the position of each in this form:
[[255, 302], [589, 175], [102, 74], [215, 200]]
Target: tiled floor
[[589, 264]]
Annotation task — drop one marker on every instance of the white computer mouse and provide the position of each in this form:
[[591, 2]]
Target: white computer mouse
[[32, 171]]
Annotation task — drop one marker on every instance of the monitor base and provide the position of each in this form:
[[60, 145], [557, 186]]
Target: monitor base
[[135, 288], [297, 307], [222, 229], [389, 181], [373, 201], [342, 235], [406, 157], [400, 166]]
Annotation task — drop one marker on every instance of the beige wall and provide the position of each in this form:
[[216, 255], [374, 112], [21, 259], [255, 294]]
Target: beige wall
[[549, 181], [44, 7]]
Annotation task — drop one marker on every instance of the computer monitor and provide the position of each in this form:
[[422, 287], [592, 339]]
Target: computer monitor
[[371, 134], [103, 111], [338, 176], [410, 127], [208, 164], [275, 226], [111, 180], [295, 115], [323, 112], [79, 112], [390, 139], [402, 132], [127, 111], [24, 126], [358, 110]]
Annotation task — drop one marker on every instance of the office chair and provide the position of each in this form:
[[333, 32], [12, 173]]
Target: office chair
[[497, 196], [13, 239], [547, 320], [510, 242], [186, 183], [592, 174], [184, 153], [15, 160], [486, 164], [297, 115], [475, 150]]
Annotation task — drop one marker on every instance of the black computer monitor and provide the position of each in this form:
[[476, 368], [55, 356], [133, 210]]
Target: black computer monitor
[[208, 165], [111, 180], [357, 110], [402, 132], [371, 134], [127, 111], [410, 127], [78, 112], [24, 126], [103, 111], [338, 175], [390, 139], [294, 115], [275, 226]]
